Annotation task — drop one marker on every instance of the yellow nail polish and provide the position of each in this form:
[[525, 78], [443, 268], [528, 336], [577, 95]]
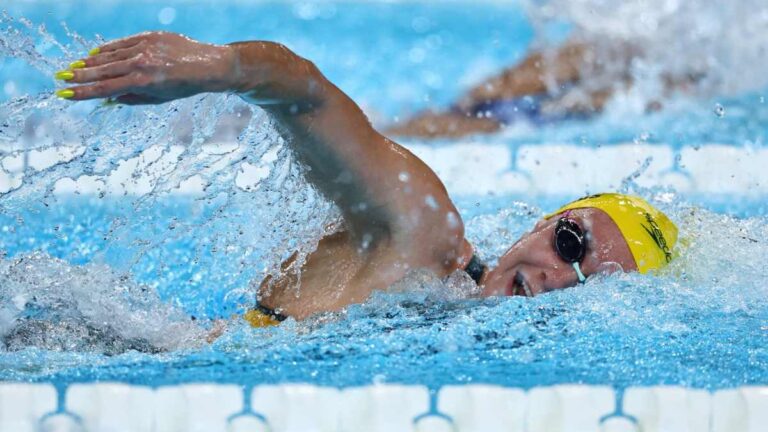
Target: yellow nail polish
[[77, 64], [94, 52], [64, 75], [65, 93]]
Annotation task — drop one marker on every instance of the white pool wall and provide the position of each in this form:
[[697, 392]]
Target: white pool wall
[[114, 407], [472, 169]]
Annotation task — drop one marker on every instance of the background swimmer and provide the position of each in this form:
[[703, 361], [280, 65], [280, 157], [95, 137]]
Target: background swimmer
[[618, 56], [543, 87], [398, 216]]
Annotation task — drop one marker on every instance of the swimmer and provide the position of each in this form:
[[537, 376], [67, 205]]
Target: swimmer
[[543, 88], [397, 214]]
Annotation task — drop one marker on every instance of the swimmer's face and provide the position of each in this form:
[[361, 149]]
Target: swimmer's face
[[532, 266]]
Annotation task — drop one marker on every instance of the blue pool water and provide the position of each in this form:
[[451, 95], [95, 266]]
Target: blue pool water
[[123, 286]]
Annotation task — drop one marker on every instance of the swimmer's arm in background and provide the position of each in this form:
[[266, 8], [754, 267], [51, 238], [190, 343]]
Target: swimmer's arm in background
[[387, 195], [541, 73], [531, 76]]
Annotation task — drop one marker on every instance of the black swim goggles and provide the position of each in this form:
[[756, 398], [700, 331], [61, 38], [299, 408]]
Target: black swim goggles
[[570, 244]]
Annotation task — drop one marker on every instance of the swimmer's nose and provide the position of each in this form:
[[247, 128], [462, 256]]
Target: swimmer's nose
[[546, 271]]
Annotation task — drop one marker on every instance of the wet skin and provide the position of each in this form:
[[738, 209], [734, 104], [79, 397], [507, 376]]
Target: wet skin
[[532, 266], [397, 214]]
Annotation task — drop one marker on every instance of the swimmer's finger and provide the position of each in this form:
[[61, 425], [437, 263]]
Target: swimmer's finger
[[101, 89], [100, 73], [113, 56], [117, 44]]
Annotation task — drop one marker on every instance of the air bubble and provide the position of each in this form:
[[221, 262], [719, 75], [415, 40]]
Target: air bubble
[[642, 138], [719, 110]]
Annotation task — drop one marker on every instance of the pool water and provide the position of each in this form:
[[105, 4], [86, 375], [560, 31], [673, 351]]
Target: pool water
[[116, 259]]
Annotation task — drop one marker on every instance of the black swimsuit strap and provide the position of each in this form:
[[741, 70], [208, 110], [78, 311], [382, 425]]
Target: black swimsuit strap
[[475, 269]]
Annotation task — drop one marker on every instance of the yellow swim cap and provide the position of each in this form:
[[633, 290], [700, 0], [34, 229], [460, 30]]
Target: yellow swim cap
[[648, 232], [259, 319]]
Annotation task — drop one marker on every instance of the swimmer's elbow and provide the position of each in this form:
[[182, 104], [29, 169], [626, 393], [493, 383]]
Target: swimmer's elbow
[[269, 74]]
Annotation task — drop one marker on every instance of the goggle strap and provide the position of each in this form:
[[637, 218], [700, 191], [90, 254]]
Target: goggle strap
[[579, 274]]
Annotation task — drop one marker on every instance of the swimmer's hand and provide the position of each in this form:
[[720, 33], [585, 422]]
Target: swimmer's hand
[[150, 68], [218, 329]]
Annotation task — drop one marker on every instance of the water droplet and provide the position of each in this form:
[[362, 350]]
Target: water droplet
[[403, 176], [366, 241], [719, 110], [19, 301], [167, 15], [642, 138], [9, 88], [452, 219], [360, 207], [430, 201]]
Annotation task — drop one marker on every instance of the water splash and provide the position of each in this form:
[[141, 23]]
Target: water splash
[[246, 205], [156, 260], [50, 304], [696, 47], [699, 323]]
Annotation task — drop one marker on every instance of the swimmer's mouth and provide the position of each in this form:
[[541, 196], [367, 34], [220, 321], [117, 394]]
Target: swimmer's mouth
[[519, 286]]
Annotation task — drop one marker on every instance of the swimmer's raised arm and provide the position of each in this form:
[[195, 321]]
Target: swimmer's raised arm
[[387, 195], [384, 191]]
